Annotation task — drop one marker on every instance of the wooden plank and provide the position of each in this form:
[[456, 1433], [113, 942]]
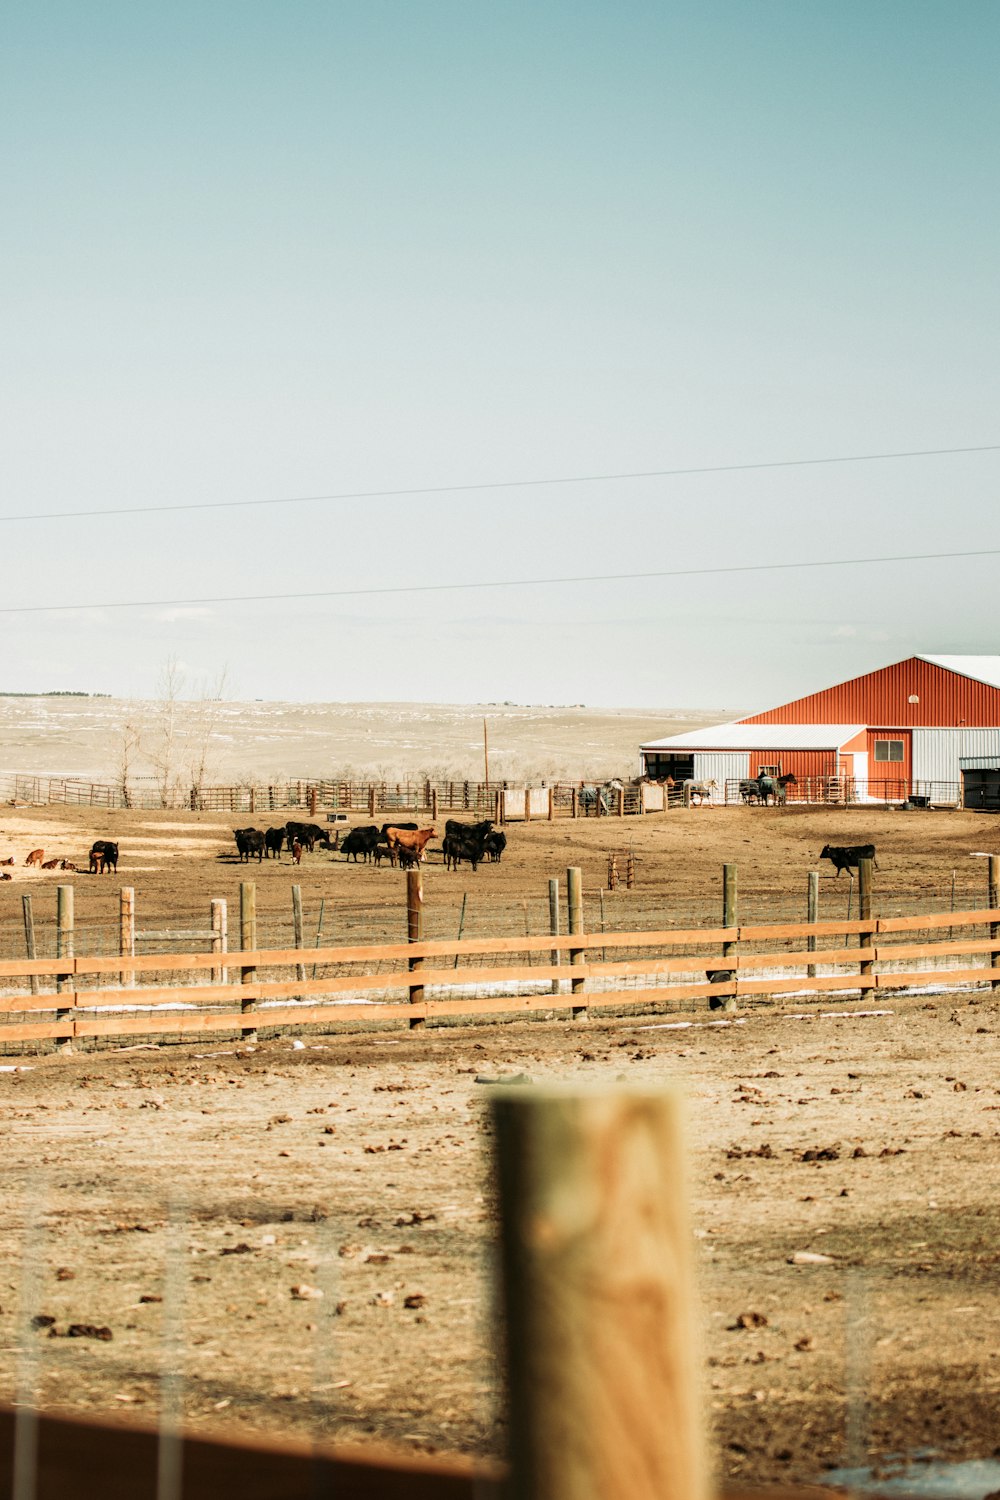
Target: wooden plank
[[80, 1458], [47, 1000], [176, 1021], [14, 967], [789, 960], [807, 986], [386, 952], [801, 929], [893, 953], [939, 919], [918, 978], [35, 1030]]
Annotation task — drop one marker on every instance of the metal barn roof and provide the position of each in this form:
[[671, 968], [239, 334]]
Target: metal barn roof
[[760, 737], [979, 668]]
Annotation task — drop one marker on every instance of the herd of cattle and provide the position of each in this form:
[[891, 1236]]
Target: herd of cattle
[[103, 857], [402, 844]]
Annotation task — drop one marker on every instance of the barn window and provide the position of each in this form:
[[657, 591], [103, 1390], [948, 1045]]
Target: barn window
[[889, 750], [769, 770]]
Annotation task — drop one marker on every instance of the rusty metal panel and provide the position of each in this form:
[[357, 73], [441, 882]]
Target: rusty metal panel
[[945, 699]]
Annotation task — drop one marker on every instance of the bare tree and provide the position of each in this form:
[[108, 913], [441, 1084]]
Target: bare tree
[[203, 735], [129, 747], [163, 752]]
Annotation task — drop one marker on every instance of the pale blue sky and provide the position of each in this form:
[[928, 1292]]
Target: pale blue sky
[[254, 250]]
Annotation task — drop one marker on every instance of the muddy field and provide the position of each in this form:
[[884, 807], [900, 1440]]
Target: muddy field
[[872, 1140]]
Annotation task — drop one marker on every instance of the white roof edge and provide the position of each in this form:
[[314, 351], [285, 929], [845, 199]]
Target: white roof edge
[[741, 736], [985, 669]]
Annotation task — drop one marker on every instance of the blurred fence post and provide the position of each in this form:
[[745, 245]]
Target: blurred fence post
[[126, 929], [248, 942], [812, 916], [604, 1389], [414, 934]]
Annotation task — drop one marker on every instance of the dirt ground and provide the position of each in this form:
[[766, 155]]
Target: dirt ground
[[870, 1139]]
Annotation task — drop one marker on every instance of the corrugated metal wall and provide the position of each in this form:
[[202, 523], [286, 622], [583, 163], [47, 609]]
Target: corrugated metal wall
[[722, 765], [936, 752], [800, 763], [880, 698]]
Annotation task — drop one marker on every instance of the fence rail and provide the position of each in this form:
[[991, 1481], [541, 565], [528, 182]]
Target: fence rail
[[730, 963], [501, 800]]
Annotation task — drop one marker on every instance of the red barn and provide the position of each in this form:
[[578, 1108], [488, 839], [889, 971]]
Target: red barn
[[910, 729]]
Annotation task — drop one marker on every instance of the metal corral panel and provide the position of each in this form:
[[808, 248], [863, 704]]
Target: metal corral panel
[[723, 767], [944, 697]]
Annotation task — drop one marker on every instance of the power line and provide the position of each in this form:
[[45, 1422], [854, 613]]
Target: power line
[[499, 484], [497, 583]]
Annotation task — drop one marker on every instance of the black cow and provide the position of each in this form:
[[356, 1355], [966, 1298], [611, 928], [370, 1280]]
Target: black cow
[[363, 841], [465, 843], [308, 835], [274, 838], [108, 852], [720, 976], [249, 841], [454, 826], [494, 844], [846, 856], [409, 827]]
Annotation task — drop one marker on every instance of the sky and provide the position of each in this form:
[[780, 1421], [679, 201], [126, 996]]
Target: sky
[[256, 251]]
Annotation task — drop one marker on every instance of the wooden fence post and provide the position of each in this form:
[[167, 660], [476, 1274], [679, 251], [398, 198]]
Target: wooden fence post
[[248, 942], [219, 939], [527, 804], [604, 1385], [64, 949], [126, 929], [312, 801], [414, 934], [730, 918], [300, 969], [687, 795], [556, 956], [498, 815], [574, 802], [574, 909], [552, 803], [812, 916], [865, 911], [994, 901], [29, 938], [621, 802], [434, 804], [371, 802]]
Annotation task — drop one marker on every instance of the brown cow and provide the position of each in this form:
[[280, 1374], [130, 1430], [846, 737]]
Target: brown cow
[[8, 861], [35, 857], [296, 852], [51, 864], [67, 864], [5, 876], [407, 843], [96, 861]]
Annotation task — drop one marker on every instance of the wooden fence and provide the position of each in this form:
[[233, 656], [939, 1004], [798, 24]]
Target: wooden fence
[[89, 996]]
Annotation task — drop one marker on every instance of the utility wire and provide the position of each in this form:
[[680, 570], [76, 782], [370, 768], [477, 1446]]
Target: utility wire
[[500, 484], [496, 583]]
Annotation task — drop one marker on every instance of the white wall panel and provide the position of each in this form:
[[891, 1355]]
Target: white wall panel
[[936, 752], [722, 766]]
